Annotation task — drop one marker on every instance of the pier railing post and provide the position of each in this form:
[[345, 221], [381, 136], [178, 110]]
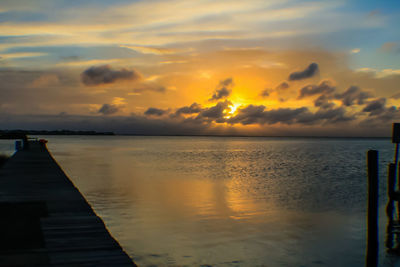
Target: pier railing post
[[372, 223]]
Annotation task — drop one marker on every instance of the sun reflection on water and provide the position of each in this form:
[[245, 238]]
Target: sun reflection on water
[[223, 201]]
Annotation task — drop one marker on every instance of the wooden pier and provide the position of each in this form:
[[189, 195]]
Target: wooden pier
[[45, 221]]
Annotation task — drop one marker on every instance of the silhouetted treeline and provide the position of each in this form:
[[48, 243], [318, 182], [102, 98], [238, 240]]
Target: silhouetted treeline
[[6, 134]]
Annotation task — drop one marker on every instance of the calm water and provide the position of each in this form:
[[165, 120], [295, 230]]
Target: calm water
[[229, 201]]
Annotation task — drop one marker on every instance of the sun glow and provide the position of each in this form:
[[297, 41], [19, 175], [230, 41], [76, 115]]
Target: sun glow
[[232, 110]]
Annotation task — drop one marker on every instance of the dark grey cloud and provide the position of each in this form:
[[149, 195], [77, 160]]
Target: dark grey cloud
[[223, 89], [108, 109], [310, 71], [390, 114], [221, 93], [326, 116], [253, 114], [379, 113], [333, 115], [265, 92], [326, 91], [259, 114], [97, 75], [324, 102], [284, 115], [227, 82], [193, 108], [283, 86], [380, 116], [249, 115], [216, 112], [353, 95], [325, 88], [155, 112], [375, 107], [280, 88]]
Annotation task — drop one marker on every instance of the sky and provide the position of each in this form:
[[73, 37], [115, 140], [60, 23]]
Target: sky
[[201, 67]]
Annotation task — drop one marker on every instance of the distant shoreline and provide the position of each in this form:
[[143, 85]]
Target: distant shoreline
[[261, 136], [89, 133], [10, 133]]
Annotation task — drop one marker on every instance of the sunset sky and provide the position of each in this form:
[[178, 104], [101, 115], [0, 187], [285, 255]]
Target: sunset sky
[[276, 67]]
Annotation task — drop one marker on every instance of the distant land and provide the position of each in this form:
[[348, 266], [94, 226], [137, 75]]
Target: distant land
[[10, 133], [7, 134]]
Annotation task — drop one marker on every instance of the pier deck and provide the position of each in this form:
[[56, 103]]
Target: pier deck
[[46, 221]]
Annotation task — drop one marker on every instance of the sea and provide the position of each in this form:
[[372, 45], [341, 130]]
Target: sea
[[230, 201]]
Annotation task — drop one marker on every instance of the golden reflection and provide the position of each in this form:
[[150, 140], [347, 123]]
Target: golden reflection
[[174, 197], [241, 204]]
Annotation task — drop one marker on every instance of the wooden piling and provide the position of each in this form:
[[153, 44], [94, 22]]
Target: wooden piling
[[372, 223], [396, 140], [391, 180], [390, 204]]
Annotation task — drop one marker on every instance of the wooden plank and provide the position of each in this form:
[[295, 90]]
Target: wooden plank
[[73, 233]]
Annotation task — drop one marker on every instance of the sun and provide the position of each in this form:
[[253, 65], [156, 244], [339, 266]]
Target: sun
[[232, 110]]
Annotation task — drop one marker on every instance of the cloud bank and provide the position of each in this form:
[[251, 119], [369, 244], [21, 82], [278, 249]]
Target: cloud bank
[[98, 75]]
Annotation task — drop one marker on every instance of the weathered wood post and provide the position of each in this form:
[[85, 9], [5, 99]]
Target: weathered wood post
[[372, 223], [393, 173], [25, 142], [396, 140], [391, 180], [390, 204]]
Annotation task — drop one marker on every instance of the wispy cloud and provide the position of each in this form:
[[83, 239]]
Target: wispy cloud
[[150, 50], [21, 55], [115, 58], [380, 73], [149, 24]]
